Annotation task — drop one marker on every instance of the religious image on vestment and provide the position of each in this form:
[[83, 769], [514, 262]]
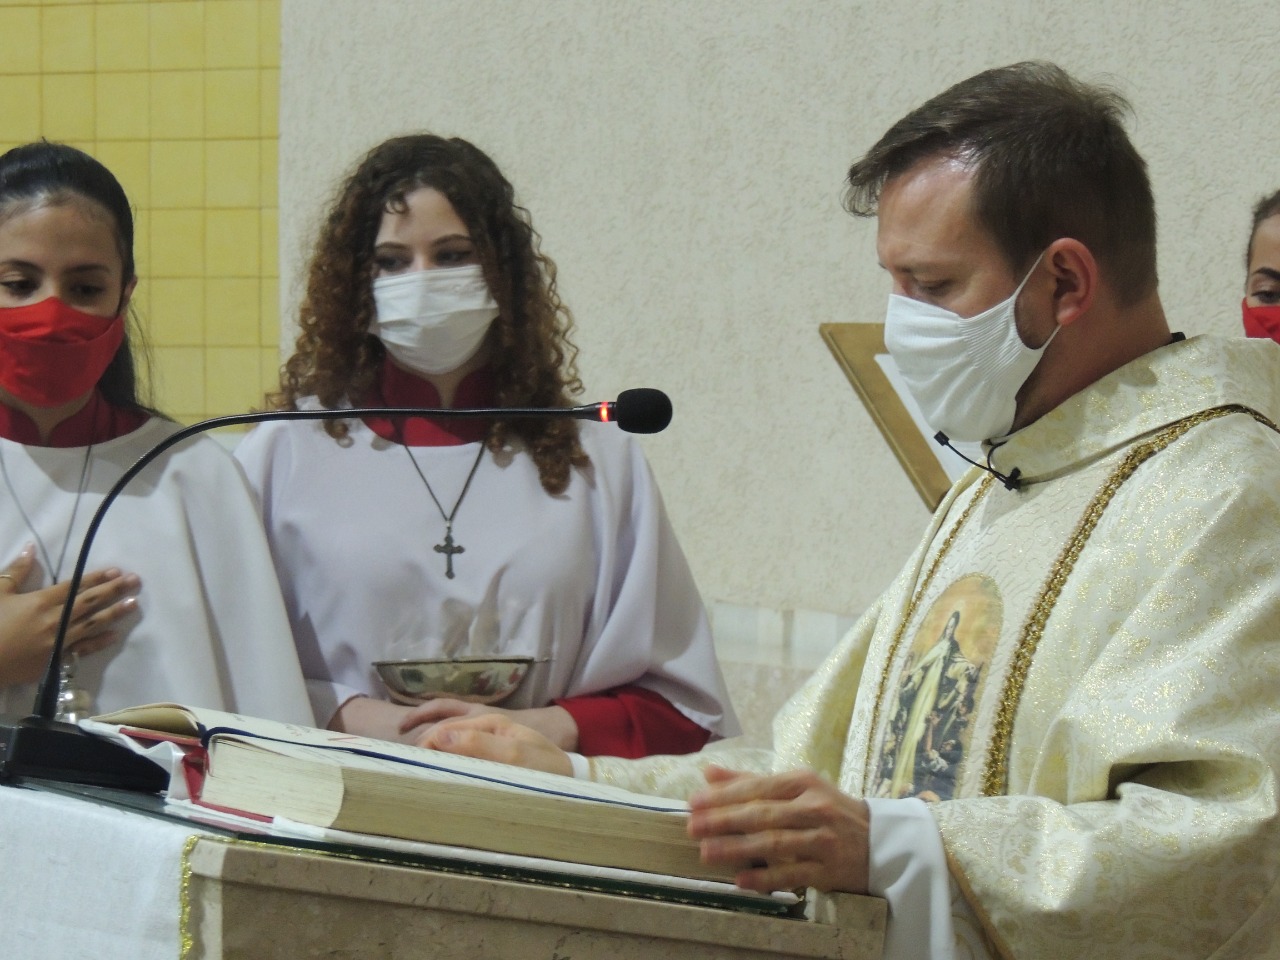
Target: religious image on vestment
[[928, 737]]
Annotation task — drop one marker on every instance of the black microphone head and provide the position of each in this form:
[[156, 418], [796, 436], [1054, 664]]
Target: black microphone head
[[642, 410]]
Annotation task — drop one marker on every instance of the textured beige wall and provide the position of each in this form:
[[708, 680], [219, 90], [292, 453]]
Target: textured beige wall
[[683, 161]]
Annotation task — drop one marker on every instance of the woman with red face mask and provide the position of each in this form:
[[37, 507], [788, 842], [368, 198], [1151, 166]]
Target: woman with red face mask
[[1262, 284], [180, 601]]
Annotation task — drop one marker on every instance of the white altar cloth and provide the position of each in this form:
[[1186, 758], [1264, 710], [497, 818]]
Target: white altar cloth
[[82, 880]]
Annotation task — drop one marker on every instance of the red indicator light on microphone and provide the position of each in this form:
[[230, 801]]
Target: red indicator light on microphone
[[604, 412]]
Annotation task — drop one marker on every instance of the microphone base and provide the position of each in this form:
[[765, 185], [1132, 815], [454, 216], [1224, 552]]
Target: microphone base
[[54, 750]]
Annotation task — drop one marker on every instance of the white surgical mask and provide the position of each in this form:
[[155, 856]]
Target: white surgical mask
[[433, 321], [963, 372]]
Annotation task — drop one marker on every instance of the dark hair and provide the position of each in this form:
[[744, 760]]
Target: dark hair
[[1051, 160], [532, 358], [1264, 209], [44, 173]]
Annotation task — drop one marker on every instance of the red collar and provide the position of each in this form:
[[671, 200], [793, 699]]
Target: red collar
[[96, 422], [398, 388]]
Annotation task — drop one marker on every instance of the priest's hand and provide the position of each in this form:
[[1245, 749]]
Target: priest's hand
[[29, 621], [783, 831], [492, 736], [553, 722]]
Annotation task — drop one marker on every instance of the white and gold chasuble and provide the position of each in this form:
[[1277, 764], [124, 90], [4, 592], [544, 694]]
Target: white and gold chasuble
[[1084, 674]]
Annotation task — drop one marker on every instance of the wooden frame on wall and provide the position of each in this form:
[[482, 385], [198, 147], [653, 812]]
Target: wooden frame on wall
[[855, 347]]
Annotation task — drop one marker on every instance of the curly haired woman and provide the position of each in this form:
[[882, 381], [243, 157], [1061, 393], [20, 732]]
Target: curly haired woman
[[413, 537]]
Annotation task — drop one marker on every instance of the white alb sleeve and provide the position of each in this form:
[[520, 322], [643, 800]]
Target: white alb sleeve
[[907, 866], [581, 766]]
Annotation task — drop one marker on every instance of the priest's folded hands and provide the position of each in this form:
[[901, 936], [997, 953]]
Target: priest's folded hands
[[778, 832]]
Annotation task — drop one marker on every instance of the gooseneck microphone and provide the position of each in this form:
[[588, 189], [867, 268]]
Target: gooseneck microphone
[[640, 410], [44, 747]]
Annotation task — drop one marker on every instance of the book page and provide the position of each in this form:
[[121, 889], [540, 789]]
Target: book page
[[369, 793], [179, 719], [201, 721], [361, 753]]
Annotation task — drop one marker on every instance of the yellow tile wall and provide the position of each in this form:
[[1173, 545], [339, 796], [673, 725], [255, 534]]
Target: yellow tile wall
[[180, 99]]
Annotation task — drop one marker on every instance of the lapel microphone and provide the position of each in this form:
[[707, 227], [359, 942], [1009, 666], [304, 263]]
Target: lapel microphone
[[1011, 480]]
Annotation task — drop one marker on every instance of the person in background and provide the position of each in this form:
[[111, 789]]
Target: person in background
[[1261, 306], [424, 538], [180, 600], [1093, 771]]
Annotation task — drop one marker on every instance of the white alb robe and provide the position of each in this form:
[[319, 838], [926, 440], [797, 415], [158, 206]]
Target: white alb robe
[[591, 582], [209, 629], [1105, 748]]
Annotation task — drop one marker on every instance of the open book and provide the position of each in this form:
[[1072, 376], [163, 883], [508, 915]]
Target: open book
[[267, 769]]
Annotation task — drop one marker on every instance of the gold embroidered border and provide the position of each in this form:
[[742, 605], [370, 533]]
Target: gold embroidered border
[[995, 773], [983, 487], [186, 938]]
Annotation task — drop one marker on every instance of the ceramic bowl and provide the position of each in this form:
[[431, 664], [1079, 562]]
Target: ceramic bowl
[[473, 679]]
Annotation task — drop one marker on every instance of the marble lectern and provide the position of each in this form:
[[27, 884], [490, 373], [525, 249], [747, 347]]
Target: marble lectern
[[247, 901]]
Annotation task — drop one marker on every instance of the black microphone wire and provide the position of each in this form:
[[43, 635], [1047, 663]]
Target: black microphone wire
[[1011, 480]]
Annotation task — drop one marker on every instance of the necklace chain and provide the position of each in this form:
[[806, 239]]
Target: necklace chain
[[448, 547], [55, 572]]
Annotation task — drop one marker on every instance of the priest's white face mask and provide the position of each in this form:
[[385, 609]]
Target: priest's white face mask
[[964, 372], [433, 321]]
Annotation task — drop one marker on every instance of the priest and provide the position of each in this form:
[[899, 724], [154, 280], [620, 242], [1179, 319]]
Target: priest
[[1057, 733]]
